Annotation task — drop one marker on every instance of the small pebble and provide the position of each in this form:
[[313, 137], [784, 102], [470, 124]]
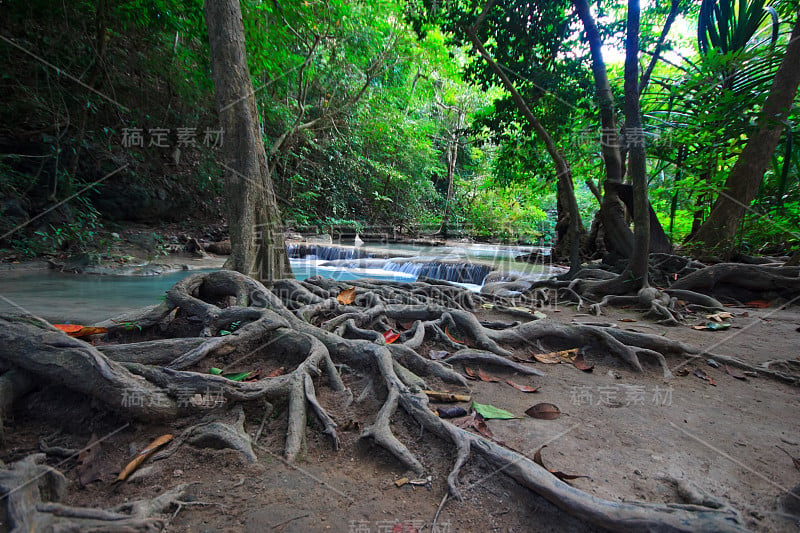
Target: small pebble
[[712, 363]]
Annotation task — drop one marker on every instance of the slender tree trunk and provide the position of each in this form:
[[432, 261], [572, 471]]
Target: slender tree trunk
[[257, 245], [452, 159], [617, 234], [634, 134], [719, 229], [566, 191]]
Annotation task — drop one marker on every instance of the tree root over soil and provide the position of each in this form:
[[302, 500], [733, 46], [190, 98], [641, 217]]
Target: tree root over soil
[[302, 326]]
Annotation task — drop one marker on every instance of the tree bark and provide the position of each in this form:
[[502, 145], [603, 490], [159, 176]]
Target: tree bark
[[742, 184], [637, 168], [254, 220], [617, 234], [566, 191]]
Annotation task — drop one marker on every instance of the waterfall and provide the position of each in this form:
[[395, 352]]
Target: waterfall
[[458, 272], [325, 253]]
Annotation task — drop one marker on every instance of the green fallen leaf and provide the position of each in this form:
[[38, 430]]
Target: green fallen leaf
[[714, 326], [490, 411], [239, 376]]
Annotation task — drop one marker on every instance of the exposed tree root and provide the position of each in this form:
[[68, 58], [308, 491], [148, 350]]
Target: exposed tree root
[[32, 491], [302, 326], [740, 282]]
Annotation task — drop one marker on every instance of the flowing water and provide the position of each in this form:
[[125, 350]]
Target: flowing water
[[86, 299]]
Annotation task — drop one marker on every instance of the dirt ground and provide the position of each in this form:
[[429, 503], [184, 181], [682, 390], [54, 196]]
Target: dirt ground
[[629, 433]]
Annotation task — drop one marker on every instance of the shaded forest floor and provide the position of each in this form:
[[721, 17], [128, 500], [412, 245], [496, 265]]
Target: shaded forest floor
[[628, 432]]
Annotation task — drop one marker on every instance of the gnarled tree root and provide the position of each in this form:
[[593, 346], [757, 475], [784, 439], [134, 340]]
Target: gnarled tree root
[[283, 324], [31, 492]]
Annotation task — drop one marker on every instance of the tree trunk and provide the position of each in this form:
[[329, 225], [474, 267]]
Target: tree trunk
[[742, 184], [452, 160], [257, 245], [566, 191], [634, 134], [618, 237]]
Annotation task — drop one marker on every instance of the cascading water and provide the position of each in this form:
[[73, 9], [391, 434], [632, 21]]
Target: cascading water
[[324, 253]]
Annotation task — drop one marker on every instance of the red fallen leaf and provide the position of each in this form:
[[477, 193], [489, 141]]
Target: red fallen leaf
[[759, 304], [390, 336], [405, 325], [543, 411], [470, 373], [68, 328], [75, 330], [627, 320], [276, 373], [487, 377], [581, 364], [523, 388], [795, 460], [537, 458], [735, 374]]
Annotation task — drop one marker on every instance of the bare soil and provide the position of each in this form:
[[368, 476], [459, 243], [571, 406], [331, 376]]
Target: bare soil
[[629, 433]]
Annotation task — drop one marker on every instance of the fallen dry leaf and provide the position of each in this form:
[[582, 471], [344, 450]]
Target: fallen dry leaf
[[277, 372], [719, 317], [487, 377], [88, 468], [142, 456], [390, 336], [523, 388], [537, 458], [735, 374], [581, 364], [446, 396], [347, 296], [702, 375], [543, 411], [759, 304], [454, 339], [471, 374], [795, 460], [547, 358], [627, 320]]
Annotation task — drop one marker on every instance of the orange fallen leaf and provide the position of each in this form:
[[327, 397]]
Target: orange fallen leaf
[[142, 456], [523, 388], [76, 330], [88, 330], [347, 296], [470, 373], [627, 320], [68, 328], [453, 338]]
